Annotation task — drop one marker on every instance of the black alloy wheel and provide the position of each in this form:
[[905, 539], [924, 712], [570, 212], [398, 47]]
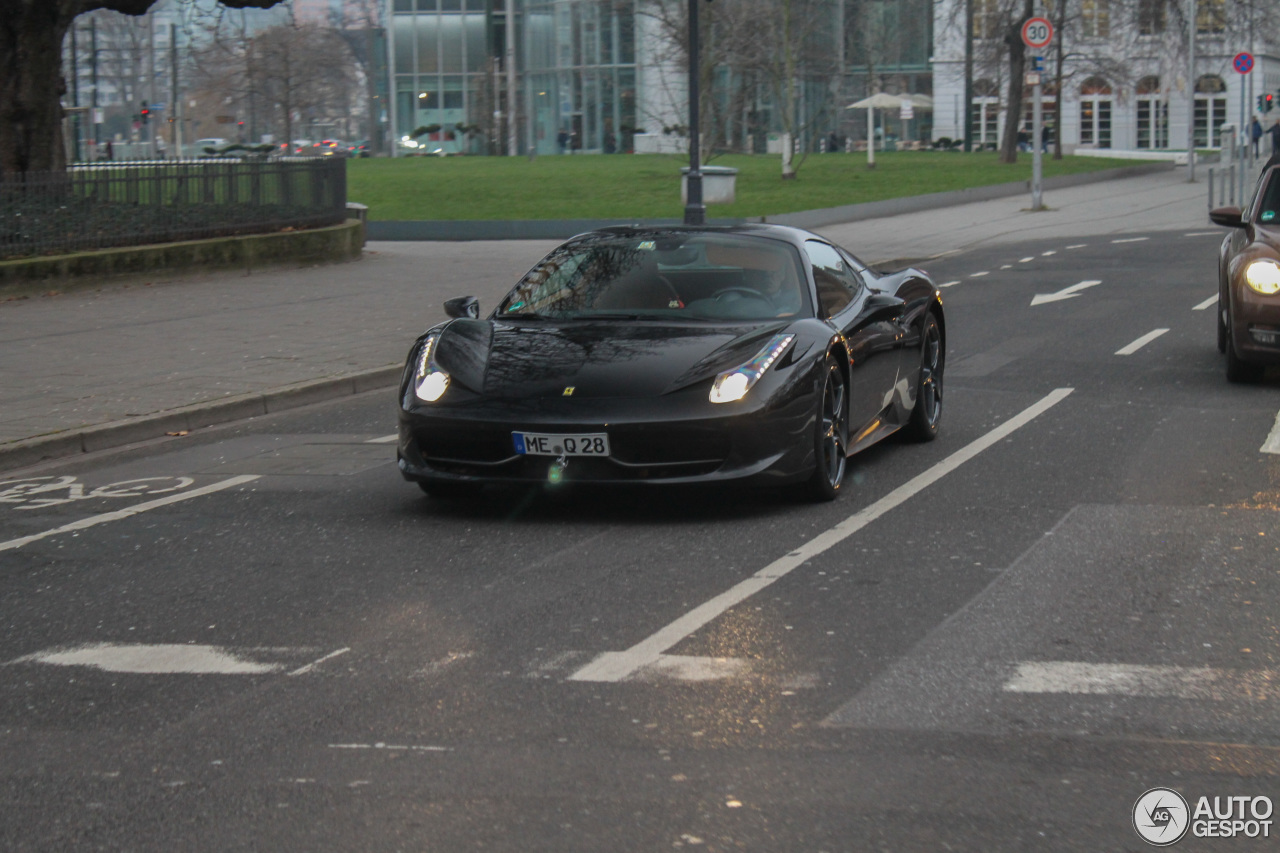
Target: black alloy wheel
[[830, 441], [927, 413]]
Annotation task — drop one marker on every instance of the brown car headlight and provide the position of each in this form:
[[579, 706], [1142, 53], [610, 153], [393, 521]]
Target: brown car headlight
[[1263, 276]]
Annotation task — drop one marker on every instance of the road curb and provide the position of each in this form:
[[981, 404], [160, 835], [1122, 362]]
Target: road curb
[[30, 451]]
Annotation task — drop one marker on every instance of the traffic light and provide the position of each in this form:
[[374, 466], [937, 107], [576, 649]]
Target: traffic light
[[144, 113], [1269, 102]]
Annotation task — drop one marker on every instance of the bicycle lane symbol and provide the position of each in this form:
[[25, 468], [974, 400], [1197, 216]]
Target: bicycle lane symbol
[[42, 492]]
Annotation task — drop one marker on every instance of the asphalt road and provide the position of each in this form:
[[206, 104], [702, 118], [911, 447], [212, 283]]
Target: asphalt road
[[258, 637]]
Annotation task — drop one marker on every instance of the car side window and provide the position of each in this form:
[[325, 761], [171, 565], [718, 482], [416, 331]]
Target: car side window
[[1269, 207], [836, 280]]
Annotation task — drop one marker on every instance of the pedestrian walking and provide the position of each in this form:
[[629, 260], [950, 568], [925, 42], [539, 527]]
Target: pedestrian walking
[[1255, 133]]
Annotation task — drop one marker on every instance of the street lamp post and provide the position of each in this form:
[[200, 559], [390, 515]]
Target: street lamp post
[[695, 212]]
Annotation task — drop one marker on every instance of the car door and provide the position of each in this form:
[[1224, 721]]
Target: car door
[[871, 324]]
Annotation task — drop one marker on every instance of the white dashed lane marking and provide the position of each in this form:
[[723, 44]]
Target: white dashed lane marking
[[386, 439], [1117, 679], [1141, 342], [1211, 301], [1131, 240], [1026, 260], [979, 274], [1078, 246], [949, 284]]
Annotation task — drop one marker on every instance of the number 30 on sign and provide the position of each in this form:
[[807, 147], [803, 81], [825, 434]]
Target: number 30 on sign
[[1037, 32]]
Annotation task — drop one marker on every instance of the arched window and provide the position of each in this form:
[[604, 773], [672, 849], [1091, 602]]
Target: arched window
[[1211, 110], [1153, 114], [1095, 113]]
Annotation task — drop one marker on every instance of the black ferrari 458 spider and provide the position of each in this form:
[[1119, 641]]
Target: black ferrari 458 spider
[[761, 354]]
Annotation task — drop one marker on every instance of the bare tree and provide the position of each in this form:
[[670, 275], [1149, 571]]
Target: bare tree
[[358, 23], [31, 79]]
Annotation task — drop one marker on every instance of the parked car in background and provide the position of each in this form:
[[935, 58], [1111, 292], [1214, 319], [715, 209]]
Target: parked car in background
[[359, 148], [210, 147], [1249, 280], [332, 148]]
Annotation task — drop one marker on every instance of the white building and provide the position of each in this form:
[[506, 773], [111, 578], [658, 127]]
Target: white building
[[1125, 78]]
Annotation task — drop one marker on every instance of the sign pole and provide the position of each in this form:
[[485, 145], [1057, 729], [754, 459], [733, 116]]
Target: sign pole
[[1036, 34], [1037, 147]]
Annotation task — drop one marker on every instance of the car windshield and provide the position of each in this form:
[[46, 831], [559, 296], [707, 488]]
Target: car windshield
[[664, 275]]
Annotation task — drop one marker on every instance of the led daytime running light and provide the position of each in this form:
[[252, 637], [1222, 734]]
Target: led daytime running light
[[733, 385], [1263, 277], [429, 381]]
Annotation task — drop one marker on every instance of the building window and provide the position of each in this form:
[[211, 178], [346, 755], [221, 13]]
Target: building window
[[1095, 113], [986, 19], [1151, 17], [1095, 18], [1153, 114], [1211, 111], [1211, 16]]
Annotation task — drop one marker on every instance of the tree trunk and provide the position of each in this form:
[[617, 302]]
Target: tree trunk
[[31, 87], [1017, 72]]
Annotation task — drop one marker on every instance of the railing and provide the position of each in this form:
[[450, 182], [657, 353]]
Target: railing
[[106, 205]]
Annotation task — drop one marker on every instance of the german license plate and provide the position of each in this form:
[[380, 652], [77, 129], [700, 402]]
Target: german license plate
[[555, 444]]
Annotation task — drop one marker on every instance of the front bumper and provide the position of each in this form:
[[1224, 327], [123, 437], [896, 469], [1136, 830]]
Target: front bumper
[[1255, 325], [673, 439]]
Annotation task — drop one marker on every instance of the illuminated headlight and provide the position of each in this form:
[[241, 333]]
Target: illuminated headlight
[[1263, 276], [429, 381], [734, 384]]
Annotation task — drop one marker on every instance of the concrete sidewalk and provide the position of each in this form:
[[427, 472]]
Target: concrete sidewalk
[[93, 369]]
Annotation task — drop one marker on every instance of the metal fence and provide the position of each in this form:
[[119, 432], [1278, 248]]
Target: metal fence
[[128, 204]]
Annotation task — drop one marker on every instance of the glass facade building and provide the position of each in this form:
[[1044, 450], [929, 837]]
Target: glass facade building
[[576, 64]]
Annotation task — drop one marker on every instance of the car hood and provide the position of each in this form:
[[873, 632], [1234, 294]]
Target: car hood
[[519, 360]]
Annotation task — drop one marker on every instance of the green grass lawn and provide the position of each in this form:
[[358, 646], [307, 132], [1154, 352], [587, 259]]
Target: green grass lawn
[[648, 186]]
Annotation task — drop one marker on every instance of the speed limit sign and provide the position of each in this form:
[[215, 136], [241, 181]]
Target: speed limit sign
[[1037, 32]]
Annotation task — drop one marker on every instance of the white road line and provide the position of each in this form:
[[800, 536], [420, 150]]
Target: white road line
[[1048, 253], [128, 512], [979, 274], [302, 670], [1272, 444], [1118, 679], [1131, 240], [391, 746], [1212, 300], [1078, 246], [386, 439], [1203, 234], [1006, 266], [949, 284], [155, 659], [618, 666], [1026, 260], [1141, 342]]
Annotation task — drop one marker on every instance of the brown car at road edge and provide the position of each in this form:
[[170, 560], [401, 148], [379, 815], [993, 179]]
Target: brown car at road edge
[[1249, 280]]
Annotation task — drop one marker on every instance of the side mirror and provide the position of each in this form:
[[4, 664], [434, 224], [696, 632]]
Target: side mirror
[[1228, 216], [463, 306]]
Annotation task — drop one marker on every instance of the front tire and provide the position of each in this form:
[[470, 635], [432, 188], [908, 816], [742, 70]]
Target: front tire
[[927, 413], [830, 439]]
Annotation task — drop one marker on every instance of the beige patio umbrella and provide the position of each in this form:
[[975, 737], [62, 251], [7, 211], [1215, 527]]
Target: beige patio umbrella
[[878, 101]]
